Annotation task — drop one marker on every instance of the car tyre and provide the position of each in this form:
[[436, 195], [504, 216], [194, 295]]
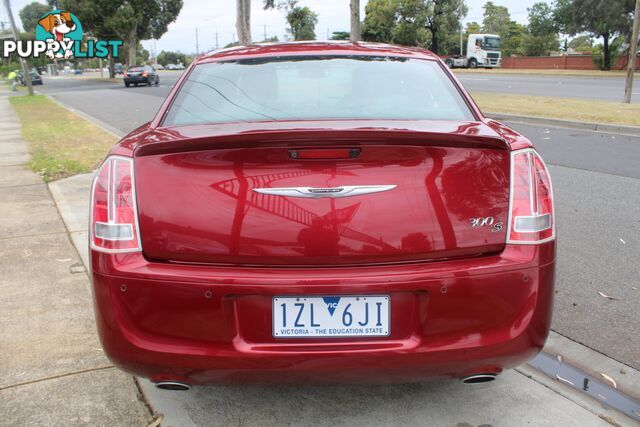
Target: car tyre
[[127, 84], [449, 63], [473, 63]]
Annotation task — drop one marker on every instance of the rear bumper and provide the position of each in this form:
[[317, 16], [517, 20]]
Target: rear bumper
[[133, 80], [203, 324]]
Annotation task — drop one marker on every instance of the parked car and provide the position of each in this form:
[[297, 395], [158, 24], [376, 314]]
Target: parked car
[[171, 67], [141, 75], [158, 67], [179, 67], [118, 68], [321, 212], [35, 77]]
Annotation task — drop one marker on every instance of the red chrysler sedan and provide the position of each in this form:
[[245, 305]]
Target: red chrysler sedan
[[326, 212]]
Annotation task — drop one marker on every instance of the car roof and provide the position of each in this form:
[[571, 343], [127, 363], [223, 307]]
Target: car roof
[[314, 48]]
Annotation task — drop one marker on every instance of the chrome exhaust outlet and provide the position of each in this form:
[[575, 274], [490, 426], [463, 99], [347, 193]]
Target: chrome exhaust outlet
[[479, 378], [173, 385]]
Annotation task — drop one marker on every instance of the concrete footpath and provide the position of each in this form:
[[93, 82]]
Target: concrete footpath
[[52, 368], [55, 372]]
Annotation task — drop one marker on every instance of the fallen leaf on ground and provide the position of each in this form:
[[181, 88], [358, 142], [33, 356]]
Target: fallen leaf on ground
[[559, 357], [607, 296], [610, 380], [623, 242], [63, 259], [157, 421], [564, 380]]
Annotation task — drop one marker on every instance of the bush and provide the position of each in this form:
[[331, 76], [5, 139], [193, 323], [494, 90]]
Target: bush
[[616, 52]]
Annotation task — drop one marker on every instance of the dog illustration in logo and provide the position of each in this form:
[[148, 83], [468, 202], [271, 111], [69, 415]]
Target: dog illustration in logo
[[59, 25]]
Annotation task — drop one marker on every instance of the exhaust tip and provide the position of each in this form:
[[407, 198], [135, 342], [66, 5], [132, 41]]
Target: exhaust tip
[[173, 385], [479, 378]]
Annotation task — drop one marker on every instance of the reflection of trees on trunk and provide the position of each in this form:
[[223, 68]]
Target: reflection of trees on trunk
[[241, 211], [478, 183], [239, 188], [446, 227]]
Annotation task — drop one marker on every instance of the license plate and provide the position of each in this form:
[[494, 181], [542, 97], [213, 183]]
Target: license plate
[[331, 316]]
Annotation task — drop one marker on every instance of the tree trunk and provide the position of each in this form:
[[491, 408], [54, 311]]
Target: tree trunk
[[243, 21], [355, 21], [434, 40], [606, 63], [112, 72], [132, 40], [633, 49]]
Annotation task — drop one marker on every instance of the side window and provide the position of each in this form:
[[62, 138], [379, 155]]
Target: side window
[[479, 42]]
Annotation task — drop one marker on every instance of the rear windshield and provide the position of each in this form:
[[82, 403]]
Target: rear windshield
[[317, 88], [135, 69]]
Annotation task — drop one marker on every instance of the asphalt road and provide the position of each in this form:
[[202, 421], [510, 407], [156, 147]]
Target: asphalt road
[[596, 179], [602, 88]]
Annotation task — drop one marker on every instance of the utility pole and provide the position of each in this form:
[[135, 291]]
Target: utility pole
[[197, 45], [633, 50], [16, 36], [265, 33], [216, 38]]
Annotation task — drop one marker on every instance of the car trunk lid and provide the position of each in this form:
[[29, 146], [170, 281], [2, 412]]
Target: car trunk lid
[[330, 195]]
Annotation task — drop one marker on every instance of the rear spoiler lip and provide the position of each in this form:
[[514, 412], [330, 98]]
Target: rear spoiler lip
[[185, 139]]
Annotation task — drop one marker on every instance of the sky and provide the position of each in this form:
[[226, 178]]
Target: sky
[[209, 17]]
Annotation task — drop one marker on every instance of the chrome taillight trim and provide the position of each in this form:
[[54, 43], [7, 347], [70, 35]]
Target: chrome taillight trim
[[135, 207], [509, 216]]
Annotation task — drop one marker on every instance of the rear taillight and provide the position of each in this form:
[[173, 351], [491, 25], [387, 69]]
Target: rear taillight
[[114, 217], [531, 218]]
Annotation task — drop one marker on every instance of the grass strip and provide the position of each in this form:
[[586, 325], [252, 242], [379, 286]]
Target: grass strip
[[61, 143], [582, 110]]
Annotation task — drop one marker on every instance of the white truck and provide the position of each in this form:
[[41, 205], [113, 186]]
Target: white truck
[[483, 50]]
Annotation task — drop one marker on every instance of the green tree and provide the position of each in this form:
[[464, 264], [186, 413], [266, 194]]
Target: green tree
[[496, 19], [143, 20], [165, 58], [142, 55], [379, 20], [31, 14], [131, 20], [605, 19], [302, 20], [443, 18], [581, 42], [340, 35], [411, 17], [542, 35], [429, 23], [473, 28], [512, 44]]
